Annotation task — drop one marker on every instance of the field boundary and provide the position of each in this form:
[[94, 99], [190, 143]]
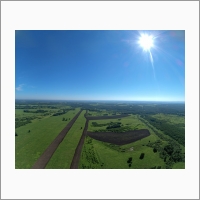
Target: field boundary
[[77, 154], [46, 156]]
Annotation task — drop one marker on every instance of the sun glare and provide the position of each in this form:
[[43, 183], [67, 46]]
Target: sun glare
[[146, 42]]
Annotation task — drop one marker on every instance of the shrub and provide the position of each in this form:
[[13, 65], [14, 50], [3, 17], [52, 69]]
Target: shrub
[[154, 150], [129, 160], [142, 156]]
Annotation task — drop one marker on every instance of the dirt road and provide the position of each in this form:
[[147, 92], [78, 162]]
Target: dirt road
[[77, 154], [45, 157]]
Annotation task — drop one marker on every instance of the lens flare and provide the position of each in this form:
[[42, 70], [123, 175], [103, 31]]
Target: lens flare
[[146, 42]]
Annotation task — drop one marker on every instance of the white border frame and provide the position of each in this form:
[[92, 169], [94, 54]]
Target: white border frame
[[99, 15]]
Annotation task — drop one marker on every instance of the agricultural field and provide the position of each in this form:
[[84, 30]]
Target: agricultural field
[[103, 135], [63, 156], [99, 154], [34, 137]]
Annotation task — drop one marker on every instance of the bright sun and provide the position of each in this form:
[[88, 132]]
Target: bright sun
[[146, 42]]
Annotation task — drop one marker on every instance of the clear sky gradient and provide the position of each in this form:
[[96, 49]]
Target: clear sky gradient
[[99, 65]]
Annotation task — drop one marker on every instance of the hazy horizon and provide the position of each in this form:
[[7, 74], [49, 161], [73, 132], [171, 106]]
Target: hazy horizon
[[100, 65], [103, 100]]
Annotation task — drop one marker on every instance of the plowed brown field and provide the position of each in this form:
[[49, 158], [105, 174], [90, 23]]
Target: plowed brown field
[[120, 138]]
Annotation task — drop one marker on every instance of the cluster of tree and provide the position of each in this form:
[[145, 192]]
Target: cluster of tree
[[110, 125], [158, 167], [129, 161], [59, 113], [53, 104], [116, 130], [141, 155], [37, 111], [65, 119], [95, 124], [171, 153], [23, 121], [174, 131], [114, 125], [25, 107], [138, 107], [174, 154], [63, 111]]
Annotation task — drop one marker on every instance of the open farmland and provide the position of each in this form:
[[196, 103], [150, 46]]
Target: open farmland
[[33, 138], [124, 136], [120, 138]]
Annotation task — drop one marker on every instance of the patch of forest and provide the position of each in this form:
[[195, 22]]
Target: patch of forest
[[177, 132], [35, 111], [23, 121], [138, 108], [171, 153]]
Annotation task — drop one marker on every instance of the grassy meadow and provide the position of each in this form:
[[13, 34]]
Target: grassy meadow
[[30, 145], [102, 155], [38, 125]]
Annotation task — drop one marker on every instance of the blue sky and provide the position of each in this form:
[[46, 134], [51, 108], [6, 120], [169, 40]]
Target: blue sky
[[99, 65]]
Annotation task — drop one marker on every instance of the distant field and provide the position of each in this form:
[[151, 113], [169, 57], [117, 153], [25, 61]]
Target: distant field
[[102, 113], [131, 121], [63, 156], [30, 145], [173, 119]]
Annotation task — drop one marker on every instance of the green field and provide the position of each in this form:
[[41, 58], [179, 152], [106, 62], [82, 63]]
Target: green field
[[98, 154], [132, 122], [38, 124], [30, 145], [102, 113], [63, 155]]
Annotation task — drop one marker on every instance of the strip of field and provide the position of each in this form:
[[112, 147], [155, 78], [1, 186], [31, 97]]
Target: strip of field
[[100, 155], [120, 138], [106, 117], [75, 161], [35, 137], [63, 155], [45, 157]]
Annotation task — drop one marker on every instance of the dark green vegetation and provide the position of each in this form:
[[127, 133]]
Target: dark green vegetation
[[176, 131], [121, 135]]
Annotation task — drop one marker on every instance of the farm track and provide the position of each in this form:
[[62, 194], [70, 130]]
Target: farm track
[[46, 156], [77, 154]]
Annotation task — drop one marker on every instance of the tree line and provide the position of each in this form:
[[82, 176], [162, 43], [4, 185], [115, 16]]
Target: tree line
[[174, 131]]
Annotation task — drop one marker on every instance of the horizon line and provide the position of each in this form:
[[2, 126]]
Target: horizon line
[[100, 100]]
